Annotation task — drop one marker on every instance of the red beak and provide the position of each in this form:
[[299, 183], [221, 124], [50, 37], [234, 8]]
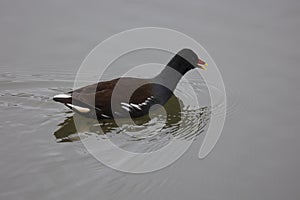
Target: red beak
[[202, 64]]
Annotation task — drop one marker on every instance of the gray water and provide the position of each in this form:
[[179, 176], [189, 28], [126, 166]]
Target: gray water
[[256, 47]]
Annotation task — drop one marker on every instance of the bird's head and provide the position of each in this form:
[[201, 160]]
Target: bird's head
[[188, 58]]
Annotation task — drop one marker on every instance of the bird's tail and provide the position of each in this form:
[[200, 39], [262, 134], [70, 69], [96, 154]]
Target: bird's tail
[[63, 98], [77, 105]]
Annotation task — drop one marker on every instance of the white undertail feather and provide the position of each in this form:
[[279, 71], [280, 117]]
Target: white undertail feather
[[62, 96], [78, 108]]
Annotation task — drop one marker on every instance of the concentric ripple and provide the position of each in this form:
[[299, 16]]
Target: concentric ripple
[[28, 94]]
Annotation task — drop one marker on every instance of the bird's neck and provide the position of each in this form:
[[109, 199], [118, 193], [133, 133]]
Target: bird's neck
[[171, 75]]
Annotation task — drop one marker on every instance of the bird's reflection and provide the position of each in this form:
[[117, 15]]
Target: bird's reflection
[[175, 117]]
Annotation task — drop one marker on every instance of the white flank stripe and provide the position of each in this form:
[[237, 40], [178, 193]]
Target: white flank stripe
[[125, 104], [136, 106], [126, 108], [105, 116]]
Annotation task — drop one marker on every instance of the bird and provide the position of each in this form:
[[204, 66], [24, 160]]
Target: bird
[[129, 96]]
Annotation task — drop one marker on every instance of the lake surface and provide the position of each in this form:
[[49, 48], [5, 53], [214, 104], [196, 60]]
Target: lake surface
[[256, 47]]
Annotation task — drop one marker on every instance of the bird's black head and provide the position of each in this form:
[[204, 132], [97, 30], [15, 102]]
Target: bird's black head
[[185, 60]]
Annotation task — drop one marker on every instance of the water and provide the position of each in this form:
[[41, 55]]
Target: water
[[255, 45]]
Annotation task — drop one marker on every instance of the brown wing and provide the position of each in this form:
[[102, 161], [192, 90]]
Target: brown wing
[[97, 87], [123, 90], [124, 97]]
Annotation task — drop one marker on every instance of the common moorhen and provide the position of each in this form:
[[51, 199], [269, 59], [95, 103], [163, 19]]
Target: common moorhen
[[108, 103]]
